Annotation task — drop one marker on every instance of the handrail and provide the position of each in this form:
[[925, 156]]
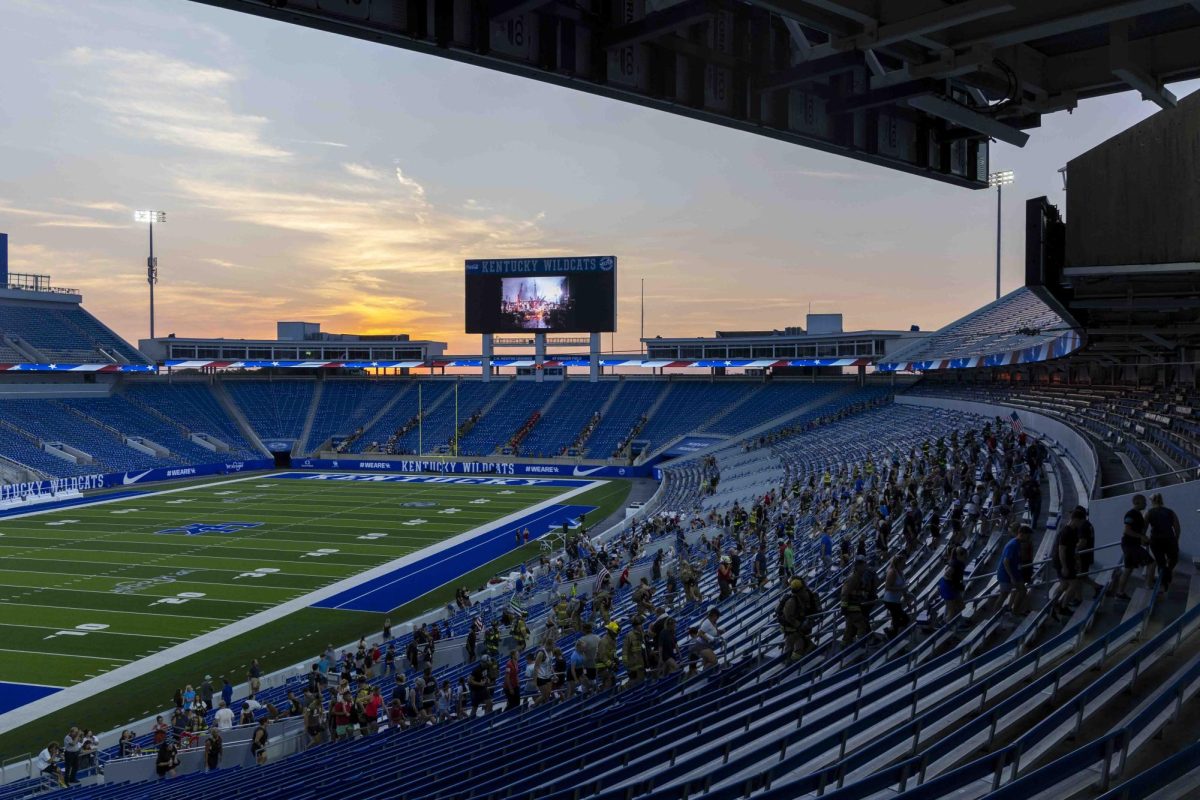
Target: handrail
[[1152, 477]]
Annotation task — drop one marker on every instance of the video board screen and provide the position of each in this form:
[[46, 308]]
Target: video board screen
[[541, 295]]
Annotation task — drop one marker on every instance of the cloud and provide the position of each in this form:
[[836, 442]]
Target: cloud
[[152, 96], [318, 142], [52, 219], [409, 183], [97, 206], [364, 172]]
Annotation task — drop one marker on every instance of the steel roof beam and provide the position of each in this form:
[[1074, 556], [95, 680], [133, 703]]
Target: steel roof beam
[[1039, 20], [918, 26], [658, 23], [812, 70]]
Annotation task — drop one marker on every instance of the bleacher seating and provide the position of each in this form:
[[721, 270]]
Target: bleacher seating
[[438, 429], [633, 399], [193, 405], [347, 405], [689, 405], [65, 332], [1157, 430], [60, 425], [27, 453], [1027, 317], [904, 715], [423, 395], [275, 409], [566, 419], [772, 401], [132, 420], [495, 428]]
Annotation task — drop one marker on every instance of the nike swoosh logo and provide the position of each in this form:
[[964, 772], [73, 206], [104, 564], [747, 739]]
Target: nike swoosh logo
[[580, 472], [128, 480]]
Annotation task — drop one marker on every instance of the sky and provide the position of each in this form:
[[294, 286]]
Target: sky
[[311, 176]]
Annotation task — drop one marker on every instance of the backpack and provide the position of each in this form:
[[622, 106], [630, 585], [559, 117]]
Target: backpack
[[781, 607]]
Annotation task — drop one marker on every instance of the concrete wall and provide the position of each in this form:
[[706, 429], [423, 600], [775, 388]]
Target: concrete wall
[[1135, 198], [1108, 515]]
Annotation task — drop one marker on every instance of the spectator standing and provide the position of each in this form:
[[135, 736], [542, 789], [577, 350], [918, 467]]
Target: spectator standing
[[1164, 539], [72, 746], [1066, 563], [1011, 579], [167, 760], [254, 677], [223, 718], [795, 608], [896, 595], [855, 597], [1133, 546], [512, 682], [711, 636], [206, 691], [213, 749], [952, 583], [258, 744]]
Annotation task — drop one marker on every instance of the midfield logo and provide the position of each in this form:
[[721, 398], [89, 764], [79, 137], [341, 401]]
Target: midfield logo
[[200, 528]]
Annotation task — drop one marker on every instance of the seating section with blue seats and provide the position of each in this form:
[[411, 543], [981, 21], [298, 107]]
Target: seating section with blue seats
[[438, 430], [738, 709], [193, 405], [417, 396], [773, 401], [558, 429], [26, 452], [52, 422], [133, 420], [495, 428], [634, 398], [347, 405], [63, 332], [689, 405], [276, 409]]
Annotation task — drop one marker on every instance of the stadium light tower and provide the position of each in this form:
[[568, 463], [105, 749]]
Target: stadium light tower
[[999, 180], [151, 262]]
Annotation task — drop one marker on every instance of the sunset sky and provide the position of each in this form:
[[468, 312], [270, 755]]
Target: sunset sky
[[310, 176]]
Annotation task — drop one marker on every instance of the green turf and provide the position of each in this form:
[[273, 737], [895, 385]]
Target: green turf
[[60, 563]]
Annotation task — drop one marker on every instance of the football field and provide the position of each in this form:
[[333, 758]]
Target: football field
[[88, 589]]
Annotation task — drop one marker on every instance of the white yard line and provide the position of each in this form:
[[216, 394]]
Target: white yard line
[[104, 633], [63, 655], [137, 669]]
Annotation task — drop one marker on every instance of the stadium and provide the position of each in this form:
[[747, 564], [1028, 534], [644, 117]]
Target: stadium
[[767, 563]]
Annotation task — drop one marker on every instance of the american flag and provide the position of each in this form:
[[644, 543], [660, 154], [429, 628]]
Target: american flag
[[1017, 427], [477, 624], [601, 576], [514, 605]]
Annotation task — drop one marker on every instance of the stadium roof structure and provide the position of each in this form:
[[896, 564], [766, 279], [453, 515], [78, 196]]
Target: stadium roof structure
[[1023, 327], [920, 86]]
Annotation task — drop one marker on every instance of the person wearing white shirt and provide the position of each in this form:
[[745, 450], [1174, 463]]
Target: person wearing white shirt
[[707, 638], [46, 762], [224, 717]]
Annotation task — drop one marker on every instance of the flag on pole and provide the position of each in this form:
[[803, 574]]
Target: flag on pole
[[514, 605], [601, 576], [1018, 429], [477, 624]]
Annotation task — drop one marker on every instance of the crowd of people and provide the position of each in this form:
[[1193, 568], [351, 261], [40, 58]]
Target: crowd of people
[[847, 533]]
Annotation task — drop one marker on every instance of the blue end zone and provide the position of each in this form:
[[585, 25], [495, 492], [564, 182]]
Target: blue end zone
[[15, 695], [410, 581], [75, 501]]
